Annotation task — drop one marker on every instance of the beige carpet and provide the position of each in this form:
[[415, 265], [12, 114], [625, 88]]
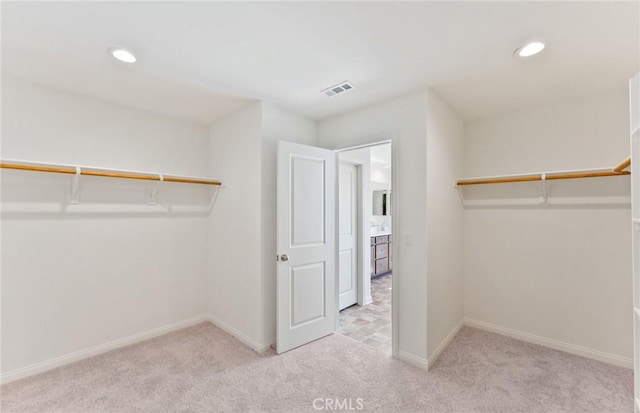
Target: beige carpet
[[202, 369]]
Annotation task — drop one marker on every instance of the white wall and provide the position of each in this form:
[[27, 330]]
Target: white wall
[[403, 120], [93, 277], [235, 242], [242, 273], [277, 124], [381, 180], [73, 280], [381, 176], [558, 273], [445, 153]]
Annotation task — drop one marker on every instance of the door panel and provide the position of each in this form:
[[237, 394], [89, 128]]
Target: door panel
[[306, 306], [307, 201], [348, 235]]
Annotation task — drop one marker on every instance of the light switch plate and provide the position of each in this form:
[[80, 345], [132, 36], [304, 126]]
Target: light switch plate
[[407, 238]]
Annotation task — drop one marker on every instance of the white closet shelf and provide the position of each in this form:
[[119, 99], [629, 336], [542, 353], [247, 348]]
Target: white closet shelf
[[103, 172], [619, 170], [76, 171], [541, 184]]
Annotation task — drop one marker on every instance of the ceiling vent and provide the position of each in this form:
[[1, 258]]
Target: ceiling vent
[[337, 89]]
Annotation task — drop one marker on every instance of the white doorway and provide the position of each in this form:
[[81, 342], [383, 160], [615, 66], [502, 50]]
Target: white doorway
[[365, 208], [310, 293]]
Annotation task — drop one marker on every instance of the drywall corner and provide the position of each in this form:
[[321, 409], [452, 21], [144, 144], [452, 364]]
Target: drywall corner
[[445, 272], [235, 243]]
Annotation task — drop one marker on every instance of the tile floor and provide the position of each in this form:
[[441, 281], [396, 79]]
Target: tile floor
[[371, 324]]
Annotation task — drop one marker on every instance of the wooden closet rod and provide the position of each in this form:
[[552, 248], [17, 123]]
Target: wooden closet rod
[[106, 173], [624, 165], [551, 176]]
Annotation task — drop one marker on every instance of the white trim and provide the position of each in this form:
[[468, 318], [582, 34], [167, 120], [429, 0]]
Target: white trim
[[363, 292], [373, 142], [258, 347], [413, 360], [445, 343], [395, 248], [551, 343], [50, 364]]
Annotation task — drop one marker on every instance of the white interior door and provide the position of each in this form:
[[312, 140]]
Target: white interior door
[[306, 295], [348, 235]]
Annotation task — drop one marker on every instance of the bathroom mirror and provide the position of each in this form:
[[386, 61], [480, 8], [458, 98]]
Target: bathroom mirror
[[381, 204]]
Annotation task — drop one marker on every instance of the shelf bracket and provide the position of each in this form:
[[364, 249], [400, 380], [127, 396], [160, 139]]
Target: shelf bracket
[[214, 197], [459, 189], [152, 199], [545, 189], [74, 196]]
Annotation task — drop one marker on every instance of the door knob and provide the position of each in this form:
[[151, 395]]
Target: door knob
[[284, 257]]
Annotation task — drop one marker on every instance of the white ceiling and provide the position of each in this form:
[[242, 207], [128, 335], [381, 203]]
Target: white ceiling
[[198, 60]]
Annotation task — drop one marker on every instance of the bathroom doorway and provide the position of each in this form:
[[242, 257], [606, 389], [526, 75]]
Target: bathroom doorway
[[365, 252]]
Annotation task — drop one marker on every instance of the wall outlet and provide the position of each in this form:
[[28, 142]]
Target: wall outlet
[[407, 238]]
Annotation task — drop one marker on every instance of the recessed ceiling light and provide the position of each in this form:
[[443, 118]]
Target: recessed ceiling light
[[123, 55], [529, 49]]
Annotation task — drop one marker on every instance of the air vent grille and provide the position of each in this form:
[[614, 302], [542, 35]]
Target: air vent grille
[[337, 89]]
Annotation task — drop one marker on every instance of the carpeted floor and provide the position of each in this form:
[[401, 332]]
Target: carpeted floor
[[202, 369]]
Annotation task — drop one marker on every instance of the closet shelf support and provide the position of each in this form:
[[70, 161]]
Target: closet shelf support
[[624, 165], [74, 196], [153, 194]]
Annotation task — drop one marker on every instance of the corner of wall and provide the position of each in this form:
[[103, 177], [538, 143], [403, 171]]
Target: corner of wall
[[444, 344], [445, 272], [235, 252], [536, 290]]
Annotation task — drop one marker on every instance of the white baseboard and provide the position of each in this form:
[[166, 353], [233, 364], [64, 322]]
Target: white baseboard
[[413, 360], [551, 343], [445, 343], [258, 347], [95, 350]]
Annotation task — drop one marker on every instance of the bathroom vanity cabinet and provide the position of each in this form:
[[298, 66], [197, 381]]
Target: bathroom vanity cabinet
[[380, 255]]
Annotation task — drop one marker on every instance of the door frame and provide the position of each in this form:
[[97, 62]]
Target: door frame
[[366, 142]]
